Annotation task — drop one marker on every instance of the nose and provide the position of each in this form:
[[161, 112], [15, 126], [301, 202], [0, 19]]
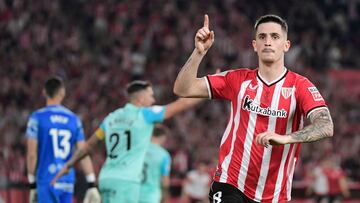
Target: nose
[[268, 41]]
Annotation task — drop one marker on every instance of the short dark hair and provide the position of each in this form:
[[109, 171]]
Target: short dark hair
[[137, 85], [160, 130], [53, 85], [271, 18]]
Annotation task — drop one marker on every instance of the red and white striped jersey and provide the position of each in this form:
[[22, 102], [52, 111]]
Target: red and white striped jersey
[[262, 174]]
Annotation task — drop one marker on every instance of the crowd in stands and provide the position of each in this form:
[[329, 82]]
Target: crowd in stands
[[99, 46]]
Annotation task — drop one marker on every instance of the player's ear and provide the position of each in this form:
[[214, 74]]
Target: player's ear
[[254, 45], [62, 93], [44, 93], [287, 45], [137, 96]]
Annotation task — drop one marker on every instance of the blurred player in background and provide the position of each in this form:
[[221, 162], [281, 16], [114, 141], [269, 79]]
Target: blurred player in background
[[328, 181], [127, 132], [196, 186], [52, 133], [156, 171], [260, 146]]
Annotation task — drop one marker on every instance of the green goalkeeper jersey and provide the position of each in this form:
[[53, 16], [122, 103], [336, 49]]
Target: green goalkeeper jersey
[[157, 164], [127, 132]]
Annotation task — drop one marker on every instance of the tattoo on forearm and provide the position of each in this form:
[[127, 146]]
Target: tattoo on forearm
[[321, 127]]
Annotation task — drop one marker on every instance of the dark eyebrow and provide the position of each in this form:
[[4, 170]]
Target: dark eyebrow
[[271, 34], [274, 34]]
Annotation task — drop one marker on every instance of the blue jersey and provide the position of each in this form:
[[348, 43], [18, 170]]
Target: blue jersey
[[56, 130]]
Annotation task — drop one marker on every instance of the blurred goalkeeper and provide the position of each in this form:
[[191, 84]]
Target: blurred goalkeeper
[[52, 133], [127, 132]]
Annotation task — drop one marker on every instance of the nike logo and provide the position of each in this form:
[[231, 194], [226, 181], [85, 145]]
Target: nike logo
[[253, 87]]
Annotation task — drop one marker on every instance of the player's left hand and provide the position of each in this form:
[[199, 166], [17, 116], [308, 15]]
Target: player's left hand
[[62, 172], [270, 138], [92, 196]]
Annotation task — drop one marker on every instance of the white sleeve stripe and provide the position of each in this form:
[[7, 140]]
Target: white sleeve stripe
[[208, 87], [317, 108]]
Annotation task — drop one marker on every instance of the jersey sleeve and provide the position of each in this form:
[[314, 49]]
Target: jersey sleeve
[[309, 97], [32, 128], [79, 130], [166, 165], [220, 85], [154, 114]]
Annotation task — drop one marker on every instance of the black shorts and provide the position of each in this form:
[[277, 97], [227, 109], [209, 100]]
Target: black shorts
[[226, 193]]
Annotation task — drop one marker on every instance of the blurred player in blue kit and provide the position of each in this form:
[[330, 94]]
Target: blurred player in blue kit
[[126, 133], [155, 181], [52, 134]]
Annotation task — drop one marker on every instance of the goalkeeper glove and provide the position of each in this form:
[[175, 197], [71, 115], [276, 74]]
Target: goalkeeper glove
[[92, 194], [33, 191]]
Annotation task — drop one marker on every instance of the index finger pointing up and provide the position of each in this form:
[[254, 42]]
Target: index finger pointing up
[[206, 21]]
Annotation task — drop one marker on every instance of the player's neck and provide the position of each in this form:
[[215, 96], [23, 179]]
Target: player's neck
[[154, 141], [50, 102], [270, 72], [157, 142], [135, 103]]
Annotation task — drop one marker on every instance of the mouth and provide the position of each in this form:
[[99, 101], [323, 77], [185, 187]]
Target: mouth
[[268, 51]]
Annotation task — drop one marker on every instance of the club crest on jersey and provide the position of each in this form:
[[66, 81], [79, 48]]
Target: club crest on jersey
[[315, 94], [286, 92], [250, 105]]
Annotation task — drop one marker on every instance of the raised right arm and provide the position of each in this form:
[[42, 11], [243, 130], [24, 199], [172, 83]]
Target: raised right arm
[[187, 84]]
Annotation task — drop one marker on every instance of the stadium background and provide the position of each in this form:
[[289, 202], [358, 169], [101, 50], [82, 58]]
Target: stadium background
[[99, 46]]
